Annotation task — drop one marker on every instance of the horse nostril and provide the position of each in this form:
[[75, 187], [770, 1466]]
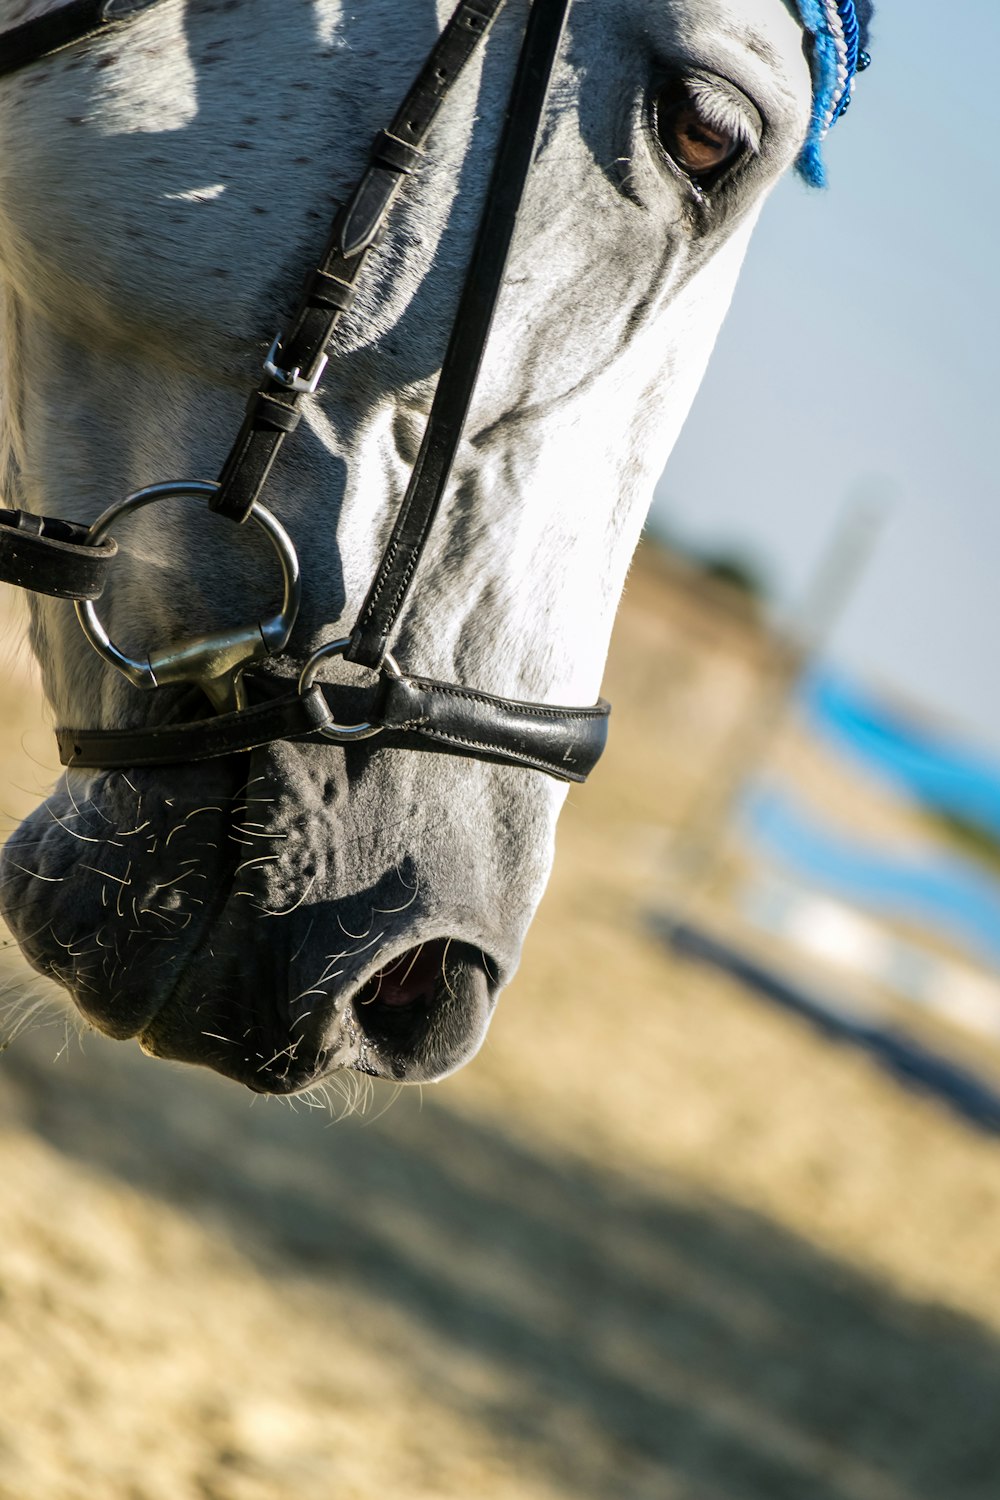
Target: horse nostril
[[409, 979], [425, 1013]]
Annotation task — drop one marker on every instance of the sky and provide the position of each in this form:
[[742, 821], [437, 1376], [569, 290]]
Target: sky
[[861, 359]]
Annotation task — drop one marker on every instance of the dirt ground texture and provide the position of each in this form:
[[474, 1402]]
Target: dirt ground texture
[[656, 1243]]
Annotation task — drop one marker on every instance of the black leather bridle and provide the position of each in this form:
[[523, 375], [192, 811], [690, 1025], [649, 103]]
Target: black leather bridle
[[74, 562]]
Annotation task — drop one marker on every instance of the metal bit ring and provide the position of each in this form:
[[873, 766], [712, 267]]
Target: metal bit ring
[[215, 661], [343, 733]]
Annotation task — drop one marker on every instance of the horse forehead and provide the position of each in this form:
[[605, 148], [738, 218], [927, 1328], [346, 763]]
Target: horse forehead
[[161, 80], [770, 29], [767, 27], [758, 43], [135, 177]]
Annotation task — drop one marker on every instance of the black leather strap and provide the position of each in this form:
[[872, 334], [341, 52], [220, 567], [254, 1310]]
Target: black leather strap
[[413, 712], [470, 332], [284, 718], [564, 742], [70, 23], [51, 556], [329, 290]]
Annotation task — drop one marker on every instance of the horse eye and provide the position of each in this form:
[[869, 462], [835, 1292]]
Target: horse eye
[[697, 145]]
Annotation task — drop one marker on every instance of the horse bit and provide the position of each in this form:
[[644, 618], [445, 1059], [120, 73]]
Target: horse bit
[[73, 562]]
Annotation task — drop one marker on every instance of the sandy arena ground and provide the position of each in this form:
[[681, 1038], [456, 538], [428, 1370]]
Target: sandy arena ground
[[656, 1243]]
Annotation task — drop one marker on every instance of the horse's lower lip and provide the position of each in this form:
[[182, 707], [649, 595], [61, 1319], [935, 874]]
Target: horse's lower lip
[[418, 1018], [292, 1081], [253, 1056]]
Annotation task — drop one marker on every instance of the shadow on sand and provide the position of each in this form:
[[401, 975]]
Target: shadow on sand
[[687, 1338]]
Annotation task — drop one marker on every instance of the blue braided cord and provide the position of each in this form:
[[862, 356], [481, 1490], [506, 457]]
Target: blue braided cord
[[852, 38], [829, 102]]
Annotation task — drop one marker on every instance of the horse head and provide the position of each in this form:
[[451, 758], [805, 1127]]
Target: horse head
[[304, 906]]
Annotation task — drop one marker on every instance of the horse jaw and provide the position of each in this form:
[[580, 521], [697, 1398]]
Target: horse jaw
[[233, 916]]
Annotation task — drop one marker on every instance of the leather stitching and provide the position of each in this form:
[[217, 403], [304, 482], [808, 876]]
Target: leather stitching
[[538, 711], [536, 762]]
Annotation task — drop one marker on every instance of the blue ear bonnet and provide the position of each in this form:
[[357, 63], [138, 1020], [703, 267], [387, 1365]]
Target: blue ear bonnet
[[839, 32]]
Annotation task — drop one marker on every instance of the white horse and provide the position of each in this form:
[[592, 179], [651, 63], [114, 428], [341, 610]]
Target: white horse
[[162, 191]]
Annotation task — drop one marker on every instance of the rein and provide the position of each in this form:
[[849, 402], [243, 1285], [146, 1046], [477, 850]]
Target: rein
[[71, 562]]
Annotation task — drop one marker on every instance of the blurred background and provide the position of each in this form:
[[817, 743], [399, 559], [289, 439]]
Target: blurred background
[[716, 1213]]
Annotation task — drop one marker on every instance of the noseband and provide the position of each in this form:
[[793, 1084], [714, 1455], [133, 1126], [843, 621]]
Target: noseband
[[68, 561]]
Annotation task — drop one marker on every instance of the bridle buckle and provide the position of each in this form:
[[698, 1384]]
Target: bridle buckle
[[294, 380]]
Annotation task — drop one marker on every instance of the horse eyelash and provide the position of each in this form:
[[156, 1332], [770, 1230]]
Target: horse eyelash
[[720, 110]]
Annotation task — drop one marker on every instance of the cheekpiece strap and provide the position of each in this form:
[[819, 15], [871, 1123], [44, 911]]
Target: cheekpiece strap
[[469, 335], [296, 362]]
